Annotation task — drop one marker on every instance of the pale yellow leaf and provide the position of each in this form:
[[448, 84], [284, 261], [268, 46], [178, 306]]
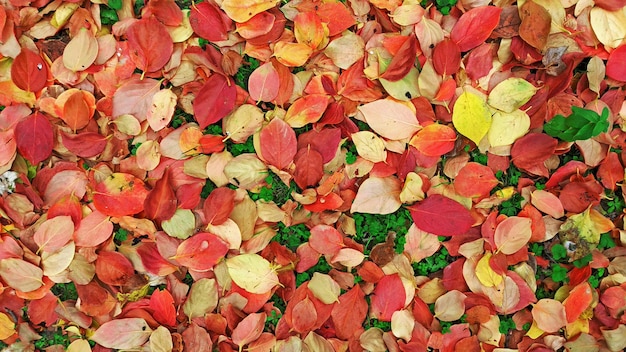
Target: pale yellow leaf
[[55, 262], [378, 196], [510, 94], [348, 257], [122, 334], [252, 272], [79, 346], [369, 146], [183, 31], [608, 26], [549, 314], [181, 225], [596, 72], [512, 234], [161, 340], [245, 171], [420, 244], [324, 288], [345, 50], [615, 338], [202, 298], [81, 51], [429, 81], [227, 231], [390, 119], [148, 155], [402, 324], [412, 190], [506, 128], [162, 109], [450, 306], [471, 116], [127, 124], [243, 123]]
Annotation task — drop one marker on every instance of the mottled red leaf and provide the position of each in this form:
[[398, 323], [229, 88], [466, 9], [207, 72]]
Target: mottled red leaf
[[150, 44], [434, 140], [166, 11], [441, 216], [120, 194], [475, 180], [215, 100], [475, 26], [304, 316], [264, 83], [209, 21], [160, 204], [85, 144], [29, 71], [218, 205], [535, 25], [349, 313], [34, 138], [278, 143], [309, 167], [113, 268], [403, 60], [249, 329], [611, 171], [325, 141], [529, 153], [201, 251], [326, 239]]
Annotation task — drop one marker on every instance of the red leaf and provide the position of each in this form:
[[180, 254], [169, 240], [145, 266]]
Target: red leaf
[[611, 171], [304, 316], [34, 138], [162, 303], [403, 61], [218, 205], [388, 297], [349, 313], [160, 204], [446, 57], [434, 140], [120, 194], [309, 168], [29, 71], [94, 299], [93, 229], [264, 83], [113, 268], [150, 44], [209, 21], [475, 181], [278, 143], [166, 11], [215, 100], [337, 16], [249, 329], [475, 26], [529, 152], [42, 310], [85, 144], [441, 216], [201, 251], [326, 240], [325, 141], [610, 5]]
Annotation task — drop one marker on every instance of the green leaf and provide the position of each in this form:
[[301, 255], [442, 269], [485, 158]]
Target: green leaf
[[559, 252], [115, 4], [580, 125]]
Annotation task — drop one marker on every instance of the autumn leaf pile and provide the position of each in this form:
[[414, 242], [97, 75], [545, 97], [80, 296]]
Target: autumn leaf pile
[[312, 175]]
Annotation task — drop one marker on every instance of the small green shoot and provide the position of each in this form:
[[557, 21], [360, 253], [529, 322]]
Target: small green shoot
[[581, 124], [291, 236], [372, 229], [432, 264], [65, 291]]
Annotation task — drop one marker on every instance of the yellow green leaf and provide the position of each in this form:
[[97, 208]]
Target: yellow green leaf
[[485, 274], [510, 94], [471, 116], [252, 272], [506, 128]]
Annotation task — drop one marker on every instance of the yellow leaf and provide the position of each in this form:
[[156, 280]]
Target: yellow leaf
[[292, 54], [162, 109], [378, 195], [181, 225], [7, 326], [252, 272], [506, 128], [510, 94], [345, 50], [243, 10], [402, 324], [412, 190], [485, 274], [324, 288], [243, 122], [471, 117], [369, 146], [79, 346], [608, 26], [390, 119], [81, 51], [183, 31], [202, 298]]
